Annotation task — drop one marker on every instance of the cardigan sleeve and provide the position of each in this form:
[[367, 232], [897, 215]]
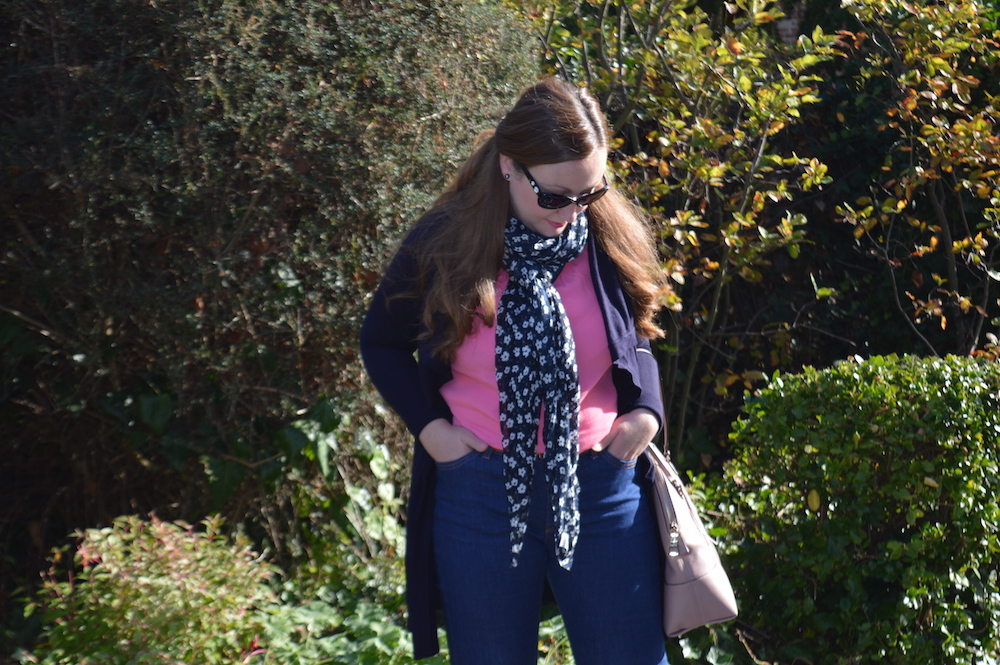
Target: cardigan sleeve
[[650, 396], [389, 341], [390, 349]]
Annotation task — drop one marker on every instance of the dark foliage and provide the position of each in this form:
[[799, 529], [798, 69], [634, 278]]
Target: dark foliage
[[197, 198]]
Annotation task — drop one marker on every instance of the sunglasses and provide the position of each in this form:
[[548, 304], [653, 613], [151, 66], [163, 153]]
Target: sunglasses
[[555, 201]]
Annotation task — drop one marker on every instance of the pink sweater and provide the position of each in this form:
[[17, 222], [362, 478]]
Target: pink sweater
[[472, 393]]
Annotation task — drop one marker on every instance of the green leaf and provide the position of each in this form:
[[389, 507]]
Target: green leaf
[[224, 477], [323, 457], [324, 413], [291, 439], [155, 412], [380, 463]]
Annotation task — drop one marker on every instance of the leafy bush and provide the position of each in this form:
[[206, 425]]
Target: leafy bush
[[154, 592], [197, 199], [148, 592], [864, 513], [326, 630], [931, 212]]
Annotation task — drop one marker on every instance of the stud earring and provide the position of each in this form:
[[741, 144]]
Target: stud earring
[[506, 176]]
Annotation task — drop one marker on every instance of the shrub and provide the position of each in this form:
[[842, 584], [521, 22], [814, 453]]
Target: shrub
[[154, 592], [864, 513], [931, 212], [197, 198]]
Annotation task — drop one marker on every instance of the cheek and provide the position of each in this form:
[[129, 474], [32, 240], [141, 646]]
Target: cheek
[[524, 207]]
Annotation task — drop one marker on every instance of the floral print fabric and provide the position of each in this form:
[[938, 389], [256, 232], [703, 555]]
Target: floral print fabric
[[538, 380]]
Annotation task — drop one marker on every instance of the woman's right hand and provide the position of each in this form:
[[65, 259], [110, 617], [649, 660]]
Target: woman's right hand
[[445, 442]]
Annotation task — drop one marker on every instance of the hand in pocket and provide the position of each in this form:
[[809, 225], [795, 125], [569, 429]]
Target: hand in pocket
[[445, 442]]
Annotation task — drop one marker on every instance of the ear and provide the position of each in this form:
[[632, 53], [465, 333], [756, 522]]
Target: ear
[[507, 165]]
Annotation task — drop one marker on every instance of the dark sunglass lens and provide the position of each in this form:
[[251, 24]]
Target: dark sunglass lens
[[552, 201]]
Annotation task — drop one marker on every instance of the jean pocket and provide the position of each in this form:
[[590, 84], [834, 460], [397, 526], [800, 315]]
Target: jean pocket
[[460, 462], [615, 463]]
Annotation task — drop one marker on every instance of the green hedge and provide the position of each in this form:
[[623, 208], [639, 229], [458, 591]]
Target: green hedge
[[864, 513], [197, 199]]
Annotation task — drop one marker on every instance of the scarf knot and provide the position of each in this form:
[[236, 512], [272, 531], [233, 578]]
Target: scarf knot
[[538, 380]]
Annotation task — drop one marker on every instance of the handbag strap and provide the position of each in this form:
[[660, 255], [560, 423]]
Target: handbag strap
[[659, 473]]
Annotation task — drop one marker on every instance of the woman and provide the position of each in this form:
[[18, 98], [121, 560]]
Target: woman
[[511, 333]]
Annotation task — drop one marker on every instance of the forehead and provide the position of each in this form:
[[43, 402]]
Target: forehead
[[572, 177]]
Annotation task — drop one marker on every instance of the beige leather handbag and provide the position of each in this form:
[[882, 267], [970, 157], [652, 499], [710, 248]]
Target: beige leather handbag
[[696, 589]]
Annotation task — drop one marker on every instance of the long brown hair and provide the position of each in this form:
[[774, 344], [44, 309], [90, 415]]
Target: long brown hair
[[552, 121]]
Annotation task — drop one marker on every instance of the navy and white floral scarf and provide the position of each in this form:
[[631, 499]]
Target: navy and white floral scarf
[[537, 378]]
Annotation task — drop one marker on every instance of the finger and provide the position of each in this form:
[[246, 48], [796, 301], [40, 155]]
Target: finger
[[474, 441], [610, 439]]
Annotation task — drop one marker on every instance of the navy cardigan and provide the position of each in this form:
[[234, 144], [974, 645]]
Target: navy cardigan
[[409, 378]]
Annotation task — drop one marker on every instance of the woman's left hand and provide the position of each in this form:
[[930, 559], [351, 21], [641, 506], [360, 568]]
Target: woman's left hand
[[630, 434]]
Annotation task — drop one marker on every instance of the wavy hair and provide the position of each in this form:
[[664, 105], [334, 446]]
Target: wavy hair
[[551, 122]]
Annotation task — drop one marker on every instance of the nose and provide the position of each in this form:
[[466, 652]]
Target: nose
[[569, 213]]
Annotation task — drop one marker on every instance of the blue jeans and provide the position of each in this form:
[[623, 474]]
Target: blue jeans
[[612, 598]]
